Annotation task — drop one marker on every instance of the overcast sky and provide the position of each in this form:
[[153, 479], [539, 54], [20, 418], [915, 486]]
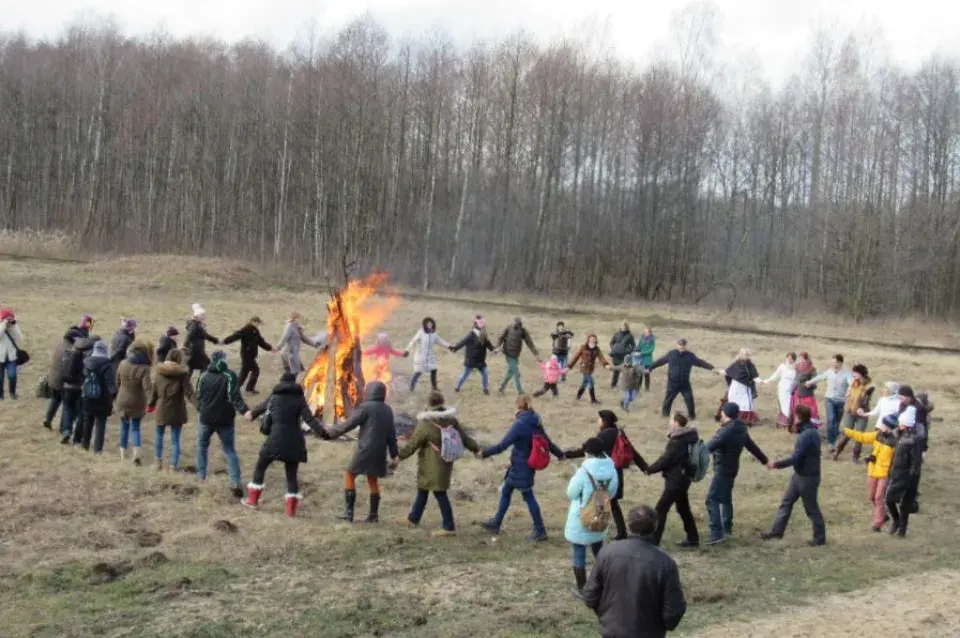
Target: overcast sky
[[773, 32]]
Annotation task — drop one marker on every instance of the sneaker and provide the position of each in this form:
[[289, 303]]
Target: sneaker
[[688, 544], [489, 526], [237, 491], [770, 536], [442, 533]]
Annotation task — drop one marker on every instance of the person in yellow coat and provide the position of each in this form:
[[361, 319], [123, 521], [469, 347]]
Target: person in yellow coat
[[883, 439]]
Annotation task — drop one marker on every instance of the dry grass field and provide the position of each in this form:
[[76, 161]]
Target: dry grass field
[[91, 546]]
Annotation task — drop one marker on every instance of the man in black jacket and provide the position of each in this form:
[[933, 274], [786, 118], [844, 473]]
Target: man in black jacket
[[561, 346], [676, 482], [726, 447], [805, 482], [218, 402], [635, 586], [621, 345], [250, 343], [680, 362]]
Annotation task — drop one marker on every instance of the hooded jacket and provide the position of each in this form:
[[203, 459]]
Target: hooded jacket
[[377, 435], [100, 364], [587, 357], [520, 437], [164, 346], [882, 452], [218, 397], [675, 459], [805, 459], [195, 345], [433, 473], [288, 407], [250, 342], [621, 344], [679, 365], [580, 489], [552, 371], [133, 382], [122, 340], [422, 347], [170, 392], [727, 445], [55, 376], [513, 338], [475, 349], [905, 466]]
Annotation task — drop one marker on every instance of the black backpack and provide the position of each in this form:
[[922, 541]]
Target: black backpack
[[92, 384], [71, 366]]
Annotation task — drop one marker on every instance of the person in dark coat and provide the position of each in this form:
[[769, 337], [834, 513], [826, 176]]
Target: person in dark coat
[[634, 587], [251, 341], [609, 432], [283, 412], [904, 469], [520, 476], [621, 345], [122, 340], [726, 447], [680, 362], [377, 437], [167, 342], [55, 376], [673, 464], [97, 410], [511, 344], [71, 373], [561, 338], [805, 482], [476, 345], [218, 402], [195, 342]]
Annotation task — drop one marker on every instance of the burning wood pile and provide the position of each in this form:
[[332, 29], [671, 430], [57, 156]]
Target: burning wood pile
[[335, 380]]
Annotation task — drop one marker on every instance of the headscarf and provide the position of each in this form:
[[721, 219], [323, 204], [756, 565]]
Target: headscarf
[[804, 364]]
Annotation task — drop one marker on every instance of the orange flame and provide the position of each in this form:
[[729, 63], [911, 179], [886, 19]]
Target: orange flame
[[353, 313]]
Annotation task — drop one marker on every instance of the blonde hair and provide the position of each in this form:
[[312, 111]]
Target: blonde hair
[[744, 354], [524, 402]]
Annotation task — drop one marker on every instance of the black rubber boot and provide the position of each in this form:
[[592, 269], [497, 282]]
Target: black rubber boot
[[350, 498], [593, 397], [580, 576], [579, 394], [374, 515]]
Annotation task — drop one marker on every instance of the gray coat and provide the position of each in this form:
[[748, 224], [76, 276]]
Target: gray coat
[[377, 435], [293, 338]]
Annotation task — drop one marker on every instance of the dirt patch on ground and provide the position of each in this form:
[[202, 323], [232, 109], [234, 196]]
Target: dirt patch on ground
[[922, 605]]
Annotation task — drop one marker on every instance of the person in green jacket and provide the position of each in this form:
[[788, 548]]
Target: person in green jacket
[[434, 473], [511, 344], [645, 347]]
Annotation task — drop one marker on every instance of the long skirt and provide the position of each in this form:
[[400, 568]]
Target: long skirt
[[742, 395], [810, 402], [784, 399]]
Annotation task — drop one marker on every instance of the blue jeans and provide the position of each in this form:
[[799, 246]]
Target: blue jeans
[[629, 396], [484, 377], [562, 360], [71, 413], [513, 372], [10, 367], [580, 554], [443, 501], [175, 431], [227, 436], [720, 506], [834, 417], [127, 427], [505, 493], [586, 383]]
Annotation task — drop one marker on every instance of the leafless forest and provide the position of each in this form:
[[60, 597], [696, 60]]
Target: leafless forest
[[507, 165]]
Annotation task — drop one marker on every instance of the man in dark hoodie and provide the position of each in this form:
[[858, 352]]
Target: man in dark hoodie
[[122, 340], [71, 373], [55, 377], [250, 343], [621, 345], [168, 342], [376, 439], [218, 402], [673, 464], [805, 482], [680, 362], [99, 392], [561, 346], [511, 343], [726, 446]]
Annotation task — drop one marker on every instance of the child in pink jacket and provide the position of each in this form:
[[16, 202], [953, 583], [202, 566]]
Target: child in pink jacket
[[382, 352], [552, 373]]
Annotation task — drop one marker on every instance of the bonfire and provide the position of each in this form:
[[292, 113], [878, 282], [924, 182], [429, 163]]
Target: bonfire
[[335, 380]]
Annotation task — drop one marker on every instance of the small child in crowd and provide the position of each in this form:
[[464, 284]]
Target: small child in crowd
[[553, 372]]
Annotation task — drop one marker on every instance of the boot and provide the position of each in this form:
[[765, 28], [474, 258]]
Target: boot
[[158, 465], [374, 515], [136, 456], [894, 526], [350, 500], [593, 397], [293, 501], [580, 576], [253, 496], [579, 394]]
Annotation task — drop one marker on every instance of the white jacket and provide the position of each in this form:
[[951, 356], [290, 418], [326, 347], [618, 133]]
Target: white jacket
[[7, 350], [422, 347]]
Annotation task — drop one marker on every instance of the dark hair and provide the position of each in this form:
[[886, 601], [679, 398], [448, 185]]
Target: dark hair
[[255, 320], [593, 447], [435, 399], [679, 419], [792, 355], [803, 412], [642, 520], [838, 357], [429, 320], [560, 323]]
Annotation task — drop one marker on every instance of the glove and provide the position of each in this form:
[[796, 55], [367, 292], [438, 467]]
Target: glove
[[151, 409]]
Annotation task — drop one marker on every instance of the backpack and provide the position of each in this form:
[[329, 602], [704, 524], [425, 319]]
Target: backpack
[[595, 513], [698, 462], [92, 386], [451, 445], [622, 453], [71, 366], [539, 457]]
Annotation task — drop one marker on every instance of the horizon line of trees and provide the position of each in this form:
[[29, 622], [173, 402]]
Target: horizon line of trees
[[507, 165]]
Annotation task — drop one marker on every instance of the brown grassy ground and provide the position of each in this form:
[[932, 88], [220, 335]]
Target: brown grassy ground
[[90, 546]]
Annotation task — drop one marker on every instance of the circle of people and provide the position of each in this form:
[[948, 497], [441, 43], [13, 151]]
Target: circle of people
[[90, 381]]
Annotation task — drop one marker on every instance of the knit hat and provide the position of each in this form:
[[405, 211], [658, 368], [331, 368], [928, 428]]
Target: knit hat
[[730, 409], [86, 321], [890, 421], [383, 338], [681, 342], [906, 391], [128, 324], [172, 332], [218, 355], [608, 417], [893, 387], [100, 349], [861, 370], [6, 313], [198, 310], [288, 377]]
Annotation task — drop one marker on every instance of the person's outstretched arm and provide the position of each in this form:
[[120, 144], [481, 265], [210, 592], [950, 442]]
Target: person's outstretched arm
[[674, 604]]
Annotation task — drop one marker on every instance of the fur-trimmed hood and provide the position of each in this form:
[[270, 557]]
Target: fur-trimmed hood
[[684, 432], [437, 414], [172, 369]]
